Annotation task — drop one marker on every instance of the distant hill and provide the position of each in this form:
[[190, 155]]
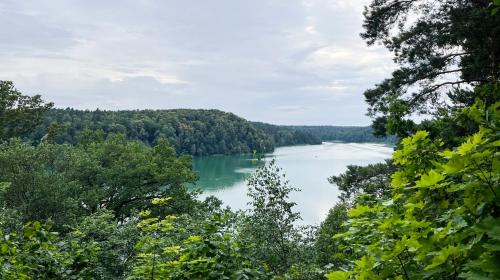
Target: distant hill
[[194, 132], [287, 136], [357, 134]]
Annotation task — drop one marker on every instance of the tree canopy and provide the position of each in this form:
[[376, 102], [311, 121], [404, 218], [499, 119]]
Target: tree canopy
[[19, 113], [441, 221], [436, 217], [64, 183], [442, 49], [189, 131], [353, 134]]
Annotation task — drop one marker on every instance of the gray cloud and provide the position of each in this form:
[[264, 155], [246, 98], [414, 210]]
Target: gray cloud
[[279, 61]]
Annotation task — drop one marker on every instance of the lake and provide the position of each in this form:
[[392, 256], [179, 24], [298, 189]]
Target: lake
[[306, 167]]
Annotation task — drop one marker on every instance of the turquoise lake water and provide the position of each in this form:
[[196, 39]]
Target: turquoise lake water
[[306, 167]]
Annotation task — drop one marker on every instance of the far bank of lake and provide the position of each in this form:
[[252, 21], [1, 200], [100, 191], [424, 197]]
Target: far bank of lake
[[306, 167]]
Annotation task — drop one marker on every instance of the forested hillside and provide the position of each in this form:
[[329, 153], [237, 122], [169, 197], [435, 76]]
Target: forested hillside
[[287, 136], [356, 134], [194, 132]]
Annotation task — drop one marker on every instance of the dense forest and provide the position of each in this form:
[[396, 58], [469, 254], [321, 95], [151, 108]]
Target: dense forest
[[112, 207], [287, 136], [193, 132], [354, 134]]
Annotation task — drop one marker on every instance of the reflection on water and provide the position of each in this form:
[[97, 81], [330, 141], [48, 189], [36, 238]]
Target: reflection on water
[[221, 172], [306, 167]]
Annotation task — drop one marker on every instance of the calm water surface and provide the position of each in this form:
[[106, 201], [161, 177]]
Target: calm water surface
[[306, 167]]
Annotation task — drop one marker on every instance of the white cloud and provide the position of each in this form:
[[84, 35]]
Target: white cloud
[[347, 56], [274, 60]]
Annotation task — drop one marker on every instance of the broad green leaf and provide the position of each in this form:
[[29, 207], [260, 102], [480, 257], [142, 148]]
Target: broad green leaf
[[413, 245], [430, 179], [491, 226], [443, 256], [337, 275], [494, 11], [419, 135], [454, 165], [161, 201], [359, 210], [466, 147], [398, 179]]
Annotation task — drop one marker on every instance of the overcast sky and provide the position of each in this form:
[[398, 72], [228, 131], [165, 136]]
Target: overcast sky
[[278, 61]]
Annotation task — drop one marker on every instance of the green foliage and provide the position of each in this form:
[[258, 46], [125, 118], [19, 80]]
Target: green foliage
[[441, 47], [331, 252], [337, 275], [287, 135], [37, 253], [495, 7], [452, 126], [38, 186], [269, 226], [373, 179], [19, 113], [194, 132], [64, 183], [212, 253], [261, 243], [441, 221], [116, 242], [353, 134]]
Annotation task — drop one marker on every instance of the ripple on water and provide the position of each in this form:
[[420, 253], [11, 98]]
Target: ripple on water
[[306, 167]]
